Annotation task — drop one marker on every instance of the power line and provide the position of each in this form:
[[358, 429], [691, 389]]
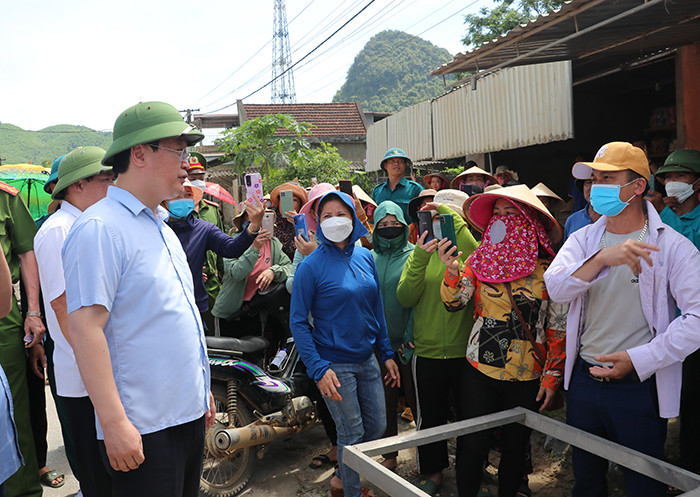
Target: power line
[[249, 58], [392, 49], [300, 60], [267, 68]]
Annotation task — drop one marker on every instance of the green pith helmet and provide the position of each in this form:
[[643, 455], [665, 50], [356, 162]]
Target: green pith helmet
[[148, 122], [396, 152], [81, 163], [53, 177], [685, 160]]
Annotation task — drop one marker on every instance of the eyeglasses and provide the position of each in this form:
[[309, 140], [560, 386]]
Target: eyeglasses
[[183, 154]]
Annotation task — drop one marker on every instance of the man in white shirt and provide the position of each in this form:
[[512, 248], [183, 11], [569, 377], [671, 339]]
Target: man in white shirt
[[82, 181]]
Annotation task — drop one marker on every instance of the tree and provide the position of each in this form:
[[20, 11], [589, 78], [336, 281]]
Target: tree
[[257, 142], [489, 24], [323, 163]]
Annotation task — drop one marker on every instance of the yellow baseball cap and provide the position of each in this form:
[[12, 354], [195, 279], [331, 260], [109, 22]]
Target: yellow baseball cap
[[614, 156]]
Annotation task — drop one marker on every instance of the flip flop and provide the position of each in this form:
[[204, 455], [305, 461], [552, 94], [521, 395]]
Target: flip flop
[[50, 476], [323, 460], [428, 486], [338, 492]]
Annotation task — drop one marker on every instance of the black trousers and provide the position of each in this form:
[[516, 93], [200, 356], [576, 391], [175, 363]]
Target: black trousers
[[690, 414], [391, 398], [435, 379], [172, 465], [94, 478], [487, 395], [37, 414]]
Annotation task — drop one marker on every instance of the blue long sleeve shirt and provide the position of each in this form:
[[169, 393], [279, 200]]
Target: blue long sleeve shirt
[[341, 290], [197, 236]]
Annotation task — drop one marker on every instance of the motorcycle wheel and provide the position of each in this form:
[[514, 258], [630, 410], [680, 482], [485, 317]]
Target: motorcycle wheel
[[226, 476]]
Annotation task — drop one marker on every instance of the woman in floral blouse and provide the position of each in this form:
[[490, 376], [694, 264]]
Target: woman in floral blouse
[[517, 354]]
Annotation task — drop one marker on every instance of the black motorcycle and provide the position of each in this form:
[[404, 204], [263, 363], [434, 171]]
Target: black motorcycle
[[257, 401]]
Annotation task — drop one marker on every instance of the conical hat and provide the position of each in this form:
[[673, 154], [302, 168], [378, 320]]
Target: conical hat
[[541, 190], [478, 209], [472, 170]]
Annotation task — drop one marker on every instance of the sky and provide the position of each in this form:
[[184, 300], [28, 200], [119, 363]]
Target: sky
[[84, 61]]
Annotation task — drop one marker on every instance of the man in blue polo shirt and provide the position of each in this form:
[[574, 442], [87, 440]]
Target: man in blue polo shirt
[[133, 320], [397, 188]]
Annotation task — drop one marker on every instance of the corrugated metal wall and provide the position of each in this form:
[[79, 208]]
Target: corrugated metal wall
[[516, 107]]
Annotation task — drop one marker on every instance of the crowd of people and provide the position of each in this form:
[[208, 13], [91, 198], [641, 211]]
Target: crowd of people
[[463, 296]]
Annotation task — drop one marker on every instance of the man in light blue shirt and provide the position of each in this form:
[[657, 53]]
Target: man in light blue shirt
[[133, 320]]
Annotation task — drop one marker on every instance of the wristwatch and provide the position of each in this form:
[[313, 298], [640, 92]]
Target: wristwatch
[[33, 314]]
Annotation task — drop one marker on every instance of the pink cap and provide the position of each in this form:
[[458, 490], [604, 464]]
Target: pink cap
[[316, 192]]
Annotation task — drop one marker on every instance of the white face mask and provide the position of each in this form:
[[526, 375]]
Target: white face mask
[[199, 183], [682, 191], [336, 229]]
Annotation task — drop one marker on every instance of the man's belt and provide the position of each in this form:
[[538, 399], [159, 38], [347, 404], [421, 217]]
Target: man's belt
[[628, 378]]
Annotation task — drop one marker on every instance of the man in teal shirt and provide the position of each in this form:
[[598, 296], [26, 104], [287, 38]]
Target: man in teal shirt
[[397, 188], [680, 209]]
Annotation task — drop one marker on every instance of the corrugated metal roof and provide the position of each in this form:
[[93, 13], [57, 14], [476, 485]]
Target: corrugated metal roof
[[595, 34], [515, 107]]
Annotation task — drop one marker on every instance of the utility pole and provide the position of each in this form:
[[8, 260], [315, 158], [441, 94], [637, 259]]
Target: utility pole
[[283, 85], [188, 114]]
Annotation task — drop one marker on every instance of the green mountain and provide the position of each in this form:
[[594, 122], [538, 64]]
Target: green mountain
[[18, 145], [392, 71]]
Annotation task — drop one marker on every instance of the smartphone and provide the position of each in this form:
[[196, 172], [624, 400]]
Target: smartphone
[[28, 338], [471, 189], [268, 221], [425, 223], [254, 187], [447, 227], [286, 201], [345, 186], [300, 227]]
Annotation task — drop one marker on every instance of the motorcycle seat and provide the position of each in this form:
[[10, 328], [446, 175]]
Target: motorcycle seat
[[246, 345]]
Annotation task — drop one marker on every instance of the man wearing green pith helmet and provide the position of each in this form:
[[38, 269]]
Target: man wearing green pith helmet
[[397, 188], [133, 320]]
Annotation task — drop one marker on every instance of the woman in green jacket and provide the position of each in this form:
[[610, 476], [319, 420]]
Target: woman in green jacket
[[439, 336], [391, 250], [261, 265]]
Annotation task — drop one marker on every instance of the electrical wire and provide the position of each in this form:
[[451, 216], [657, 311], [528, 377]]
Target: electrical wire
[[300, 60], [249, 58], [354, 34], [392, 49]]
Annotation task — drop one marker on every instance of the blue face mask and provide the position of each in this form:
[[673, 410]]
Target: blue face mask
[[180, 208], [605, 199]]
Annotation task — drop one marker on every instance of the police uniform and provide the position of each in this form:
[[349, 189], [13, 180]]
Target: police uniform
[[17, 230]]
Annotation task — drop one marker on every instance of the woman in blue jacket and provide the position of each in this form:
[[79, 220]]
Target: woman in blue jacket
[[338, 284]]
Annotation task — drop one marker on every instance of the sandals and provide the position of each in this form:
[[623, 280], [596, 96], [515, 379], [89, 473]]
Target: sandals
[[50, 477], [428, 486], [338, 492], [407, 415], [321, 462]]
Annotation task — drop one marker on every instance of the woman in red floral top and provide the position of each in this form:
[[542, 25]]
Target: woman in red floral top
[[513, 365]]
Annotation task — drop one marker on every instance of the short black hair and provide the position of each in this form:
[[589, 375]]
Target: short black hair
[[632, 175], [120, 162]]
